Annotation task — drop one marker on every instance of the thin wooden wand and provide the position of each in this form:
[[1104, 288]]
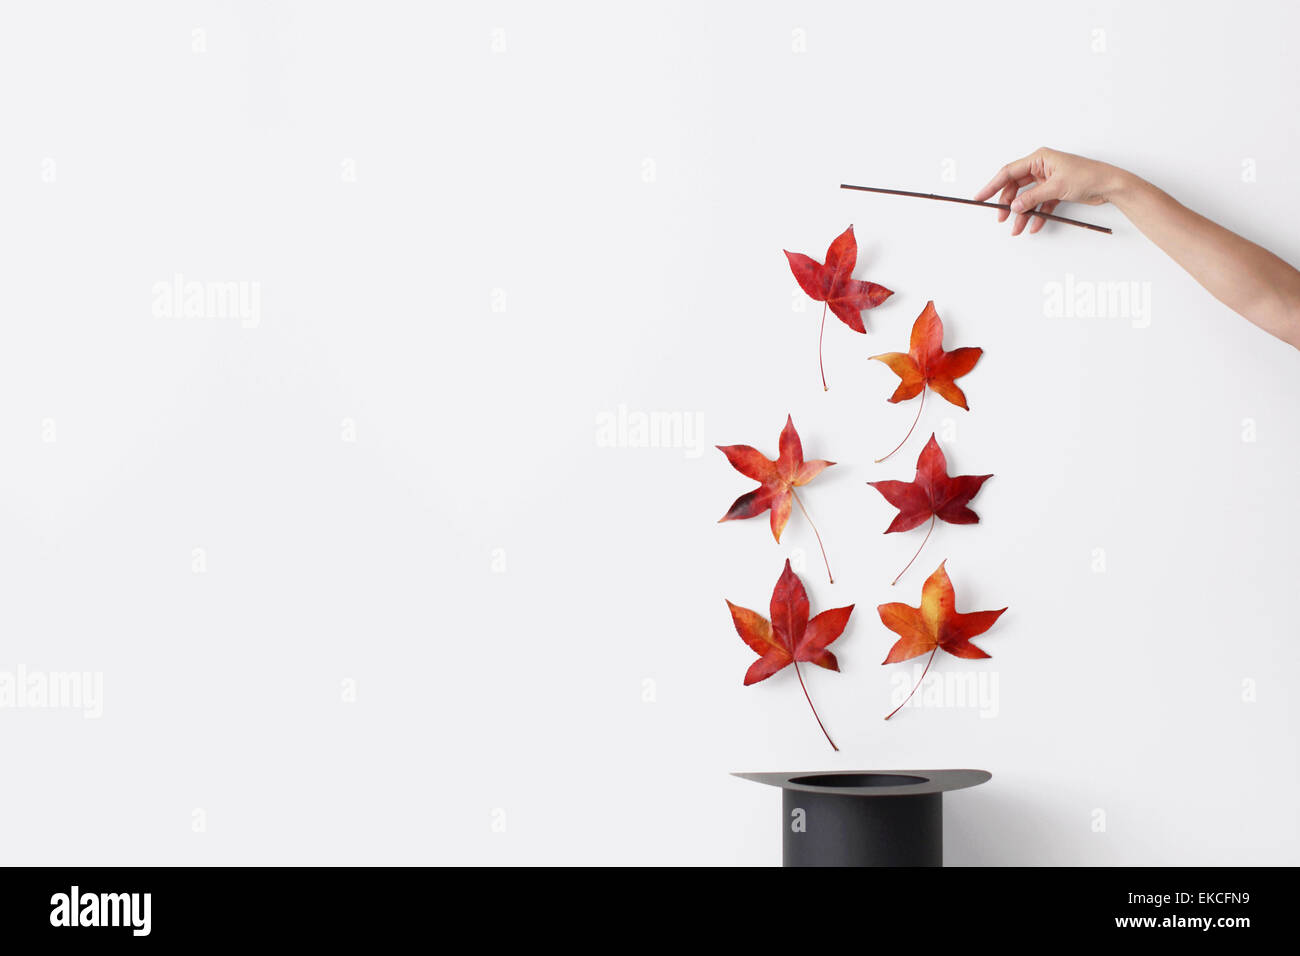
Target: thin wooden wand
[[976, 202]]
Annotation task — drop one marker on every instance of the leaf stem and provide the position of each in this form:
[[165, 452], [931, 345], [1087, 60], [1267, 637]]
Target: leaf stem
[[799, 674], [919, 681], [815, 531], [910, 430], [918, 551], [820, 364]]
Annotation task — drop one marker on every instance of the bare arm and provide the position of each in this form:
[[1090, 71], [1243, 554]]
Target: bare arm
[[1245, 277]]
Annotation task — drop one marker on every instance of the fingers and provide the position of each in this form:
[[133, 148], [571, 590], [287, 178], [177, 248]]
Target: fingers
[[1029, 200], [1037, 195], [1017, 205], [1024, 191], [1022, 220], [1009, 193], [1039, 222], [1000, 179], [1010, 173]]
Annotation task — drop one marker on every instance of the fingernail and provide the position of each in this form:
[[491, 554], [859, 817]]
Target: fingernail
[[1017, 205]]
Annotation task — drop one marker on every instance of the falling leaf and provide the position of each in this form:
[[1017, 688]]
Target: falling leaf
[[777, 482], [832, 283], [926, 364], [931, 494], [790, 637], [935, 624]]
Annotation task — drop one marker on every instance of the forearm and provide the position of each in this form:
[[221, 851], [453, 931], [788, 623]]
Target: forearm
[[1245, 277]]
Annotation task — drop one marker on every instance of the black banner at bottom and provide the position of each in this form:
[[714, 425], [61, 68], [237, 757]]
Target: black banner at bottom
[[375, 905]]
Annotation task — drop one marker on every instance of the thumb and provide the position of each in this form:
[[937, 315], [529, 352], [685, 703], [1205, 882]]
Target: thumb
[[1037, 195]]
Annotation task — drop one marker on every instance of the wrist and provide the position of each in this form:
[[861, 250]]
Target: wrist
[[1120, 186]]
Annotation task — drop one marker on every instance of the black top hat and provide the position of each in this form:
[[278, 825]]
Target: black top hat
[[864, 817]]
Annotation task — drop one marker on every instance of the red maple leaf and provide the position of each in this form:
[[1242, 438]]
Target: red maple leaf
[[935, 624], [832, 282], [927, 364], [777, 481], [790, 637], [931, 494]]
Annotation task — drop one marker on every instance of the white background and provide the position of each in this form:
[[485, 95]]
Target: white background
[[500, 714]]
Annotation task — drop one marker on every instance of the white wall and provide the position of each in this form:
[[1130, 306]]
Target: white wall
[[523, 171]]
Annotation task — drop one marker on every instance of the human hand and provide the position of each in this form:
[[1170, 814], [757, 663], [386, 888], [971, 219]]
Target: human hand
[[1052, 177]]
